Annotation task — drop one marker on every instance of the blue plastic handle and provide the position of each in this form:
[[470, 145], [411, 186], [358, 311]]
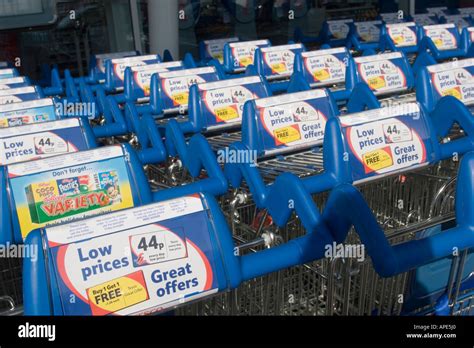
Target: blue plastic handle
[[56, 87], [195, 156], [427, 44], [114, 120], [71, 89], [362, 98], [346, 207], [152, 149], [449, 111]]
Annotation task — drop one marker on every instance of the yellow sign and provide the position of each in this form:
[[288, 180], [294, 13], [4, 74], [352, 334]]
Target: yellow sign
[[279, 68], [146, 90], [376, 82], [438, 43], [227, 113], [377, 159], [455, 92], [321, 75], [181, 98], [399, 39], [219, 57], [245, 61], [287, 134], [117, 294]]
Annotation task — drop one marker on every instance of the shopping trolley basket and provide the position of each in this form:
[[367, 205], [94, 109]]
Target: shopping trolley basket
[[215, 110], [138, 88], [345, 286], [416, 191], [71, 135], [201, 263], [168, 96], [25, 143]]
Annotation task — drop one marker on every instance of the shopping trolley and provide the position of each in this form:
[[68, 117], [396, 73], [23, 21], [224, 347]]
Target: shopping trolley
[[275, 64], [461, 20], [6, 73], [333, 33], [26, 143], [111, 110], [215, 111], [202, 263], [115, 70], [136, 90], [387, 76], [322, 68], [214, 49], [239, 55], [468, 38], [392, 17], [96, 73], [88, 182], [53, 138], [105, 117], [14, 82], [16, 95], [169, 99], [403, 37], [452, 78], [425, 19], [440, 42], [10, 79], [364, 35], [419, 201], [169, 94]]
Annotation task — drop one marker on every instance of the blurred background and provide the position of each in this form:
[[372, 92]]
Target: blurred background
[[68, 32]]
